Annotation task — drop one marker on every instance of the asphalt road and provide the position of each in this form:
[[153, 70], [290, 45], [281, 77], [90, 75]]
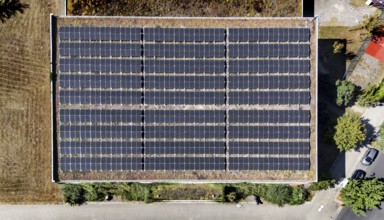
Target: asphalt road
[[347, 214], [376, 169]]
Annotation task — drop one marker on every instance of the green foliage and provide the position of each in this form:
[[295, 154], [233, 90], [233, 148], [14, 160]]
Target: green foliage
[[187, 191], [372, 95], [363, 195], [338, 46], [371, 24], [279, 194], [322, 185], [73, 194], [349, 132], [299, 195], [380, 138], [345, 92]]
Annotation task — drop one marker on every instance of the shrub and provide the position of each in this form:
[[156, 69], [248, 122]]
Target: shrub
[[338, 46], [345, 92], [299, 195], [350, 132], [278, 194], [94, 191], [371, 95], [322, 185], [73, 194]]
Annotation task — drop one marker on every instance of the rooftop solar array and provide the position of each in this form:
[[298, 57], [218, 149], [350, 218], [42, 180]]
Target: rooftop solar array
[[175, 99]]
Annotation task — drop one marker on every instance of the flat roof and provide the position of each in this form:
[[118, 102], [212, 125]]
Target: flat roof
[[161, 99]]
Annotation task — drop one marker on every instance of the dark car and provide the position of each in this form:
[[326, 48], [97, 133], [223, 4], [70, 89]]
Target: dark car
[[358, 175], [370, 156]]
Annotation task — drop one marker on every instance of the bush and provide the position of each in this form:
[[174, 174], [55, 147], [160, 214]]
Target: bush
[[322, 185], [73, 194], [372, 95], [349, 132], [94, 191], [279, 194], [299, 195], [345, 92], [338, 46]]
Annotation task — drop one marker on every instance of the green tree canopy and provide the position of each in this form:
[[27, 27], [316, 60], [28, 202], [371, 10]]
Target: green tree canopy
[[372, 95], [380, 137], [349, 132], [73, 194], [279, 194], [345, 92], [363, 195]]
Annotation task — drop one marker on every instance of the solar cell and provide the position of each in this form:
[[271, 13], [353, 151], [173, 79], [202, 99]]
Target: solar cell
[[245, 147], [269, 66], [190, 132], [268, 50], [269, 98], [99, 81], [185, 50], [99, 65], [269, 132], [184, 66], [83, 49], [254, 163], [184, 34], [184, 98], [99, 33], [99, 116], [269, 82], [269, 116], [184, 116], [184, 163], [101, 131], [184, 82], [268, 34], [188, 147], [99, 97]]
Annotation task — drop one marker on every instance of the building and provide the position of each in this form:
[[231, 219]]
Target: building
[[185, 99]]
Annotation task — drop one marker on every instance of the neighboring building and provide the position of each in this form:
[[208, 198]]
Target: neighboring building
[[376, 3], [376, 48], [185, 99]]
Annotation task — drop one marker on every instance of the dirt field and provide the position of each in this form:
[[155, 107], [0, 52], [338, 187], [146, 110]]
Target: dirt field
[[25, 136]]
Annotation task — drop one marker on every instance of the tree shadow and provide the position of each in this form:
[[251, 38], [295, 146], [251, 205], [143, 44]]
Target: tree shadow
[[9, 9], [369, 131]]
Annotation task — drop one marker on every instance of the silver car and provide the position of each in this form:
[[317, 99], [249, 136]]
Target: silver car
[[370, 156]]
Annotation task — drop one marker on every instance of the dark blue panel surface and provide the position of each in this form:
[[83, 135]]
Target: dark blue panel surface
[[268, 35], [269, 66], [254, 163], [184, 163], [99, 116], [198, 132], [100, 65], [269, 116], [99, 81], [99, 33], [99, 97], [269, 82], [99, 49], [197, 147], [184, 66], [97, 147], [102, 131], [184, 34], [184, 50], [237, 147], [184, 82], [269, 98], [268, 50], [184, 116], [269, 132], [184, 98]]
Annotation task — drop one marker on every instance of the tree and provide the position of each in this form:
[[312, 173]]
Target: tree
[[279, 194], [9, 8], [338, 46], [345, 92], [363, 195], [349, 132], [299, 195], [372, 95], [73, 194]]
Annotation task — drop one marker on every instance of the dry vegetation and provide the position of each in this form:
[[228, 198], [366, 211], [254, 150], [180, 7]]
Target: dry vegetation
[[196, 8], [25, 137]]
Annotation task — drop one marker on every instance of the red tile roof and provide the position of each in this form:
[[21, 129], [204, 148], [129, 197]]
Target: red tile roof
[[376, 48]]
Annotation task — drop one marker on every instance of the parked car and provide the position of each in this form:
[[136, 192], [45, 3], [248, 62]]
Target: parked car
[[358, 175], [369, 156]]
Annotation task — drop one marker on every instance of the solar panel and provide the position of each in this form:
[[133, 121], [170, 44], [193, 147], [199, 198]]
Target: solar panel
[[99, 81], [184, 116], [185, 50], [184, 34], [162, 98], [184, 82], [184, 66]]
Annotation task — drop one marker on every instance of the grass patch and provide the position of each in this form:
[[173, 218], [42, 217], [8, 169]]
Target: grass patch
[[187, 192], [357, 3]]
